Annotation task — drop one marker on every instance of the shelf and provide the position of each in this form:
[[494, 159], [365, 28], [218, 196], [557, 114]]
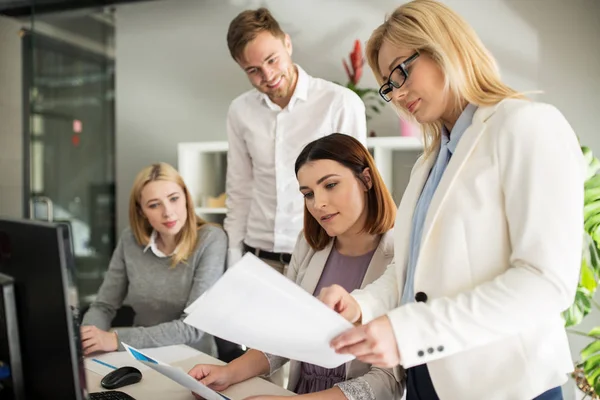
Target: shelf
[[394, 143], [210, 210]]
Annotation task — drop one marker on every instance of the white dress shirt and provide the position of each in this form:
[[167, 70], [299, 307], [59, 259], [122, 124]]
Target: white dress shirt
[[154, 247], [264, 205]]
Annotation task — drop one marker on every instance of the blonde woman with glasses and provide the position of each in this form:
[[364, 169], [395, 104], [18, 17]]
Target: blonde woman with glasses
[[489, 231]]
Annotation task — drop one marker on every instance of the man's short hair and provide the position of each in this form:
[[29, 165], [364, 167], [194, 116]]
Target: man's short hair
[[246, 26]]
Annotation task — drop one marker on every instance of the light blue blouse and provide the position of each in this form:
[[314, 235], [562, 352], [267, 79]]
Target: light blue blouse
[[447, 148]]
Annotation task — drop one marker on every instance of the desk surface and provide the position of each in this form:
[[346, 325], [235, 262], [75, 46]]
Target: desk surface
[[156, 386]]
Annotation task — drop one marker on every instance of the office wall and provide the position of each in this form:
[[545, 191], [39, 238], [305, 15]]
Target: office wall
[[175, 77], [11, 142]]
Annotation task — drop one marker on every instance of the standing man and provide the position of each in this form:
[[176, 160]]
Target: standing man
[[267, 128]]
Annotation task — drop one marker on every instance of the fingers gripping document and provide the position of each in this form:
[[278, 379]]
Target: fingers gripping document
[[175, 374], [256, 306]]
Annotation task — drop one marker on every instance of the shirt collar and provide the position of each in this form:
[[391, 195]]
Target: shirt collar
[[152, 245], [462, 123], [300, 92]]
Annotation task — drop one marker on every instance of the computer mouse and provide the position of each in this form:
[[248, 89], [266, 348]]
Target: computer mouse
[[121, 377]]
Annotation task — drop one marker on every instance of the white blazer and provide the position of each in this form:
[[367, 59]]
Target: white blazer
[[499, 261]]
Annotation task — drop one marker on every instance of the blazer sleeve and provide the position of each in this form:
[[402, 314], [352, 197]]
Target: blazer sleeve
[[380, 296], [542, 174]]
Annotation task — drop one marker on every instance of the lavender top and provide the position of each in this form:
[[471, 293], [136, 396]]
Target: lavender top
[[348, 272]]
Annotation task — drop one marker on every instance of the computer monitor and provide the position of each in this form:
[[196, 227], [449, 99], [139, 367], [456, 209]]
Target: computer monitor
[[37, 267]]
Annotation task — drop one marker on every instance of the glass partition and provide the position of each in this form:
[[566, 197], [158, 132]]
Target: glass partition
[[68, 88]]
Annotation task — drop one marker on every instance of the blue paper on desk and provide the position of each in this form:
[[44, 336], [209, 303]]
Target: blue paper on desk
[[175, 374]]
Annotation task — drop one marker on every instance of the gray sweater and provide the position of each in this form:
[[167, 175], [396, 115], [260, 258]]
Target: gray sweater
[[158, 293]]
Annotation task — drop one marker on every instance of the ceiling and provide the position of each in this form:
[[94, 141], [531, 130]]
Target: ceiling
[[21, 8]]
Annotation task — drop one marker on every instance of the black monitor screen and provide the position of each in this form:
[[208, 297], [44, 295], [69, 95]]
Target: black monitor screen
[[39, 258]]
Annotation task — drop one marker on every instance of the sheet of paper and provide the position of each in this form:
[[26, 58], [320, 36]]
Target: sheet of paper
[[102, 364], [256, 306], [176, 374]]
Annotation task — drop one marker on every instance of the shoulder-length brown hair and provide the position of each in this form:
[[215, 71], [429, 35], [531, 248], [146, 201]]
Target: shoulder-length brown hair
[[346, 150], [186, 239]]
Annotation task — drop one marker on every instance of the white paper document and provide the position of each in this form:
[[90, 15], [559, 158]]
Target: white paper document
[[256, 306], [176, 374]]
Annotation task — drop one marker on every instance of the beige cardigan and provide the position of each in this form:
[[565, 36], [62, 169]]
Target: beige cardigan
[[305, 269]]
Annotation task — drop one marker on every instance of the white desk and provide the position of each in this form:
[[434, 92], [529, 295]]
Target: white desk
[[156, 386]]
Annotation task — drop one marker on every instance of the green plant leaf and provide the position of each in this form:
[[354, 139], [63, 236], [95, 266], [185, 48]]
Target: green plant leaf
[[591, 195], [591, 364], [595, 383], [596, 234], [588, 277], [592, 256], [592, 182], [591, 369], [591, 209], [593, 168], [591, 223], [580, 307], [587, 154], [594, 373], [590, 350], [595, 332]]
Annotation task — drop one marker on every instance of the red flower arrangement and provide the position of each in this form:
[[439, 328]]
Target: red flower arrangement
[[354, 71]]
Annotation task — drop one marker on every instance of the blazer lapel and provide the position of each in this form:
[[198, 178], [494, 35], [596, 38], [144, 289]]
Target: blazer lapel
[[382, 257], [457, 161], [315, 268]]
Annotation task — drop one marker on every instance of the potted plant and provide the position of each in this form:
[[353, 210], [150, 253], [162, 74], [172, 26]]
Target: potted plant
[[354, 69], [587, 370]]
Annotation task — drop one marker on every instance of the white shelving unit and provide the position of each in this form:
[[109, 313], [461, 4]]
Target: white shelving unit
[[211, 210], [203, 165]]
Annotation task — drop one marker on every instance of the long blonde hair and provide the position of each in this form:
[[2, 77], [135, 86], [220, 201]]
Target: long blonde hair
[[142, 230], [432, 28]]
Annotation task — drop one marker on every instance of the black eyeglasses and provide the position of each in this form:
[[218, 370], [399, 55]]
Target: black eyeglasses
[[397, 78]]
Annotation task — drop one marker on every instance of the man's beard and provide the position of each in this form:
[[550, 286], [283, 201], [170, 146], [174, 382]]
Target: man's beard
[[283, 88]]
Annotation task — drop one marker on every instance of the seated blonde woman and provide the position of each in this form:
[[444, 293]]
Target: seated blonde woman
[[163, 262], [347, 240]]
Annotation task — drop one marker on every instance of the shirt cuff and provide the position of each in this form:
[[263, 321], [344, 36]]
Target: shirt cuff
[[356, 389]]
